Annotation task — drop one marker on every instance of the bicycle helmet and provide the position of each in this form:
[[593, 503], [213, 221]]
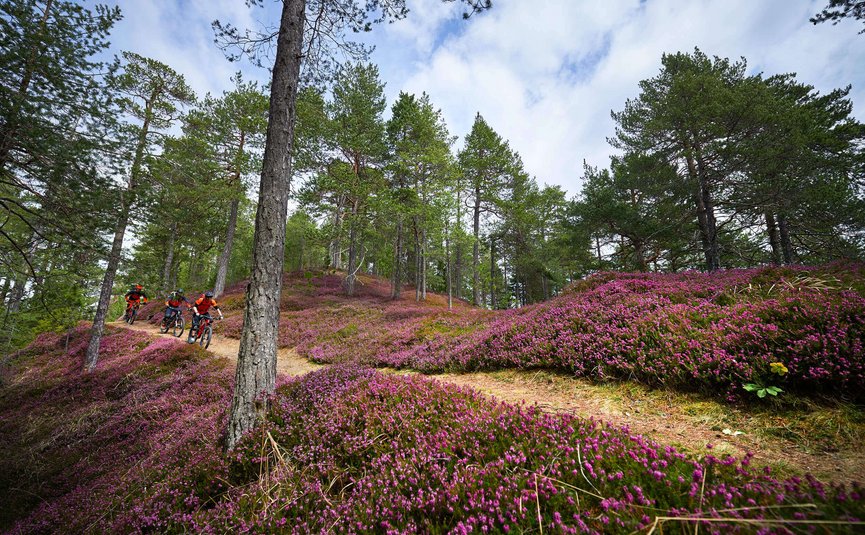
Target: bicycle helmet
[[138, 287], [179, 290], [208, 294]]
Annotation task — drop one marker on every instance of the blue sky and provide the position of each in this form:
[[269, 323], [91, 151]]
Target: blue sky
[[544, 74]]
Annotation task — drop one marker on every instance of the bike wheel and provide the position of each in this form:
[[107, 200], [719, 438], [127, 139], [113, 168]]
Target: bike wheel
[[163, 327], [133, 316], [178, 326], [204, 341]]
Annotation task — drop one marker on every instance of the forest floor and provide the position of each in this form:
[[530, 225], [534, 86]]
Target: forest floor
[[824, 440]]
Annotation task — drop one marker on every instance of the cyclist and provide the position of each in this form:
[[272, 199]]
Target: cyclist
[[172, 305], [135, 297], [201, 310]]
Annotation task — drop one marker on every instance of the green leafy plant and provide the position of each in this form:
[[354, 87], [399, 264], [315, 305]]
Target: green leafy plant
[[762, 390]]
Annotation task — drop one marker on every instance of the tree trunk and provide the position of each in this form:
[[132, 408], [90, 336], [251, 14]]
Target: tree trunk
[[5, 291], [448, 268], [175, 267], [225, 255], [598, 250], [417, 261], [640, 255], [476, 248], [396, 283], [352, 257], [169, 260], [256, 360], [423, 264], [17, 294], [91, 357], [335, 242], [774, 238], [493, 303], [786, 244], [705, 211]]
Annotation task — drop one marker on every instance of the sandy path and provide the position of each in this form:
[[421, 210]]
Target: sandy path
[[288, 362]]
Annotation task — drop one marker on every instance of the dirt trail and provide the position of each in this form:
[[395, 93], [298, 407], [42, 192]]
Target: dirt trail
[[288, 362], [668, 419], [665, 418]]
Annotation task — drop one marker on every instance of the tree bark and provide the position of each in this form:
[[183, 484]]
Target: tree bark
[[17, 294], [423, 265], [705, 210], [352, 257], [225, 255], [5, 291], [91, 357], [396, 282], [256, 360], [448, 267], [774, 238], [786, 244], [493, 303], [169, 260], [476, 248], [335, 242]]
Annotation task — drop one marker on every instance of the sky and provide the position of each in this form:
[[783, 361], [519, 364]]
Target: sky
[[544, 74]]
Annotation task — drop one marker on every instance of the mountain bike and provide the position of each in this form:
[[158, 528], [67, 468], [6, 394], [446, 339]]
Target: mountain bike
[[131, 313], [204, 332], [174, 322]]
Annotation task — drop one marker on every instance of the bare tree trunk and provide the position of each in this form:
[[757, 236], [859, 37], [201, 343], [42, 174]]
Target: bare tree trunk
[[423, 264], [335, 242], [256, 360], [225, 255], [417, 260], [91, 357], [352, 257], [705, 211], [448, 267], [786, 244], [598, 250], [5, 291], [493, 303], [17, 294], [476, 249], [169, 260], [774, 238], [396, 283]]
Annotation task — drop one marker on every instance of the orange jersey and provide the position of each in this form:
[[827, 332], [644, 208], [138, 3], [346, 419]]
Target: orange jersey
[[203, 304]]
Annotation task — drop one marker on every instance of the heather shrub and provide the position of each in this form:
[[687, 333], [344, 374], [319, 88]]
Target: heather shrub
[[350, 450], [135, 447], [691, 331], [105, 451]]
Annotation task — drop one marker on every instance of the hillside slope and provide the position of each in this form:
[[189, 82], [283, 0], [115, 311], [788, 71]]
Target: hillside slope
[[799, 329], [134, 447]]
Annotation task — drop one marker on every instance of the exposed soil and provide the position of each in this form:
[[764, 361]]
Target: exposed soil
[[692, 425], [288, 362]]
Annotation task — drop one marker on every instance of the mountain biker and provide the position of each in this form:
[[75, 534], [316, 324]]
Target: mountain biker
[[134, 297], [172, 305], [200, 310]]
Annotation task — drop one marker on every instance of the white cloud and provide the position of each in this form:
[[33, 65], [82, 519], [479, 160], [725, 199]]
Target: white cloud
[[546, 74]]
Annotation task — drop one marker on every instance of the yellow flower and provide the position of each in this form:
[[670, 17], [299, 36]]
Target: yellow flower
[[778, 367]]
